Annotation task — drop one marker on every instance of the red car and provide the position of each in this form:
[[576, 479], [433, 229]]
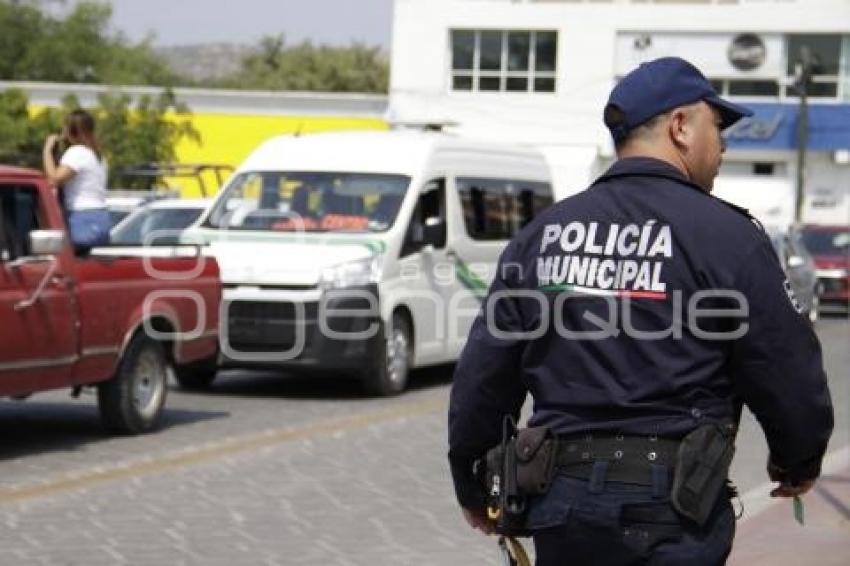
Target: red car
[[830, 246], [119, 323]]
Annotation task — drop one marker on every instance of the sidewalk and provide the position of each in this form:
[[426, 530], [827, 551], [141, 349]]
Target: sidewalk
[[773, 537]]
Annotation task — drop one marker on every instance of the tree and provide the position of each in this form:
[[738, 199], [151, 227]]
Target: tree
[[37, 46], [144, 134], [79, 48], [23, 135], [273, 66]]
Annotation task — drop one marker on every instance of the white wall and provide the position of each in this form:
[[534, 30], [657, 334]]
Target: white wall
[[568, 123]]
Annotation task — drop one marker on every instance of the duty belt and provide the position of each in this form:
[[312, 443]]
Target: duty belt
[[629, 459]]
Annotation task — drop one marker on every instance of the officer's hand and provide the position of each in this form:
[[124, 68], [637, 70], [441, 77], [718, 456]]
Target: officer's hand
[[792, 489], [477, 519], [787, 488]]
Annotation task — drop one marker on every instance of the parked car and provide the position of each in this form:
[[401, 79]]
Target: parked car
[[799, 267], [158, 223], [120, 203], [111, 321], [830, 246]]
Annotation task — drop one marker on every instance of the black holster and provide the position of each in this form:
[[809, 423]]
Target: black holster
[[701, 471], [523, 464]]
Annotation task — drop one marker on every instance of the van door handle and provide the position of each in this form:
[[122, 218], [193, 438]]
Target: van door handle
[[451, 254]]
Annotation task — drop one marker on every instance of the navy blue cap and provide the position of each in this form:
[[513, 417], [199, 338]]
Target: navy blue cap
[[658, 86]]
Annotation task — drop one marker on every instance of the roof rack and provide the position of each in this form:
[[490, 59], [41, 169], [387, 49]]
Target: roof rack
[[156, 170], [425, 125]]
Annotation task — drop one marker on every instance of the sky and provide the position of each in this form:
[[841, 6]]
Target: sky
[[182, 22]]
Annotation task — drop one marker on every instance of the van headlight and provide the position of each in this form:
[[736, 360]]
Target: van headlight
[[352, 274]]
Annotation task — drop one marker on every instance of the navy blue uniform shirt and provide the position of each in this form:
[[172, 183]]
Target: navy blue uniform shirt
[[599, 309]]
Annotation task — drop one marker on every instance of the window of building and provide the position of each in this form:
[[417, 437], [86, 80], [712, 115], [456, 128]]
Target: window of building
[[752, 88], [830, 54], [763, 168], [825, 54], [496, 209], [745, 87], [503, 60]]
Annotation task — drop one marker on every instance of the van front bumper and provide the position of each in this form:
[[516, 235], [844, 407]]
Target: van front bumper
[[275, 330]]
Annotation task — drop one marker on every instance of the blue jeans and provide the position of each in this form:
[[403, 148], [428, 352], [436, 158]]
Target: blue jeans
[[89, 228], [612, 524]]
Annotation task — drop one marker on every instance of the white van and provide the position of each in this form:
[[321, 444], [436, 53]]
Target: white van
[[364, 253]]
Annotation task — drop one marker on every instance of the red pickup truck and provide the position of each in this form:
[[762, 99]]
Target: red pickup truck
[[113, 321]]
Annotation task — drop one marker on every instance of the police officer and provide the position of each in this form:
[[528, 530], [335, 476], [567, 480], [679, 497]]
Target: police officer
[[634, 313]]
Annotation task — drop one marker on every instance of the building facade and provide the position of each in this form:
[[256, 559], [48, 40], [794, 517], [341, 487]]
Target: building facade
[[539, 72]]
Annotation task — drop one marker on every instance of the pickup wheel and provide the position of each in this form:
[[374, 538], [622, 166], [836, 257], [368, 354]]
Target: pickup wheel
[[390, 377], [132, 401], [197, 376]]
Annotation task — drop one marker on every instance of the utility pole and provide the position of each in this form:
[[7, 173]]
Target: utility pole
[[802, 82]]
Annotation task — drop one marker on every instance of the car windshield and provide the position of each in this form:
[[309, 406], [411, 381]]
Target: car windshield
[[827, 242], [139, 228], [313, 202]]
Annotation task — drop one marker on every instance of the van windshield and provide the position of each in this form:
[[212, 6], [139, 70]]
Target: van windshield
[[307, 201]]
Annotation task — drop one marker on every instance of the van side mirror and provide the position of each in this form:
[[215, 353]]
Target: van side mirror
[[434, 232], [46, 242], [417, 235]]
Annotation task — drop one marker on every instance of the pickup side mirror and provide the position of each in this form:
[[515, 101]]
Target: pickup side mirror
[[46, 242]]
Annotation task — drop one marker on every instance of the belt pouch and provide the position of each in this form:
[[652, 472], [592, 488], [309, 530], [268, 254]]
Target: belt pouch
[[536, 456], [702, 467]]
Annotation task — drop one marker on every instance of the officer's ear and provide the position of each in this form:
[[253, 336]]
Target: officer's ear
[[681, 127]]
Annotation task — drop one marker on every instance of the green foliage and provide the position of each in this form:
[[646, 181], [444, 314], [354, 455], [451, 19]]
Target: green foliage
[[142, 134], [148, 132], [23, 134], [356, 68], [79, 48], [37, 46]]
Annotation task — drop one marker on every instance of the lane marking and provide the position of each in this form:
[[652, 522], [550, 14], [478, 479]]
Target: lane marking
[[758, 499], [227, 447]]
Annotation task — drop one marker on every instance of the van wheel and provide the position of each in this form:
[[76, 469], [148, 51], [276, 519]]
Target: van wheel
[[132, 401], [197, 376], [390, 377]]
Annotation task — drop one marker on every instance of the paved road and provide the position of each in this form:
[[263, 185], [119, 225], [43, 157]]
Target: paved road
[[266, 470]]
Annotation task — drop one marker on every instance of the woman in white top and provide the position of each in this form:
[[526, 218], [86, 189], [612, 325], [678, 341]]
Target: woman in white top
[[81, 174]]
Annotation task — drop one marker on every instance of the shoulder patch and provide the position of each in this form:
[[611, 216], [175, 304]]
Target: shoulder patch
[[789, 290]]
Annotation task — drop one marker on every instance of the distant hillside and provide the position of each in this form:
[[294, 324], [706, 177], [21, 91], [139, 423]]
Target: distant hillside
[[204, 61]]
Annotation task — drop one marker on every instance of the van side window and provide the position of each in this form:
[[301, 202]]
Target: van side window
[[496, 209], [428, 223], [18, 217]]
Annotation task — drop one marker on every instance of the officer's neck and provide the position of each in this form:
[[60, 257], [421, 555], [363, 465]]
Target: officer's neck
[[663, 153]]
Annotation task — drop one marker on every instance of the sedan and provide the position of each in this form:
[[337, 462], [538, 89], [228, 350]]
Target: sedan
[[158, 223]]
